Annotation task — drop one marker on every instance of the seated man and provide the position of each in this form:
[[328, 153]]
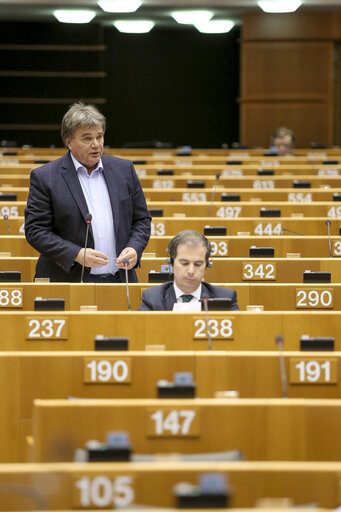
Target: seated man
[[282, 142], [189, 253]]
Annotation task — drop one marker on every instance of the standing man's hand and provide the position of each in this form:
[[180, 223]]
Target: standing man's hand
[[127, 254], [92, 258]]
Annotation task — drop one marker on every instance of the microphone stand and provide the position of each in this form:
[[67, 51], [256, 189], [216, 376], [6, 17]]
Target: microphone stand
[[7, 222], [88, 222], [126, 261], [217, 176], [209, 337], [279, 341], [290, 231], [328, 222]]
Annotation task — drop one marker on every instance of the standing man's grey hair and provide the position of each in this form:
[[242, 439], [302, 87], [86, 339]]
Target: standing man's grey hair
[[80, 115]]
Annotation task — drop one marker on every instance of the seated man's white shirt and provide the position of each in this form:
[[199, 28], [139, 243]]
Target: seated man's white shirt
[[194, 305]]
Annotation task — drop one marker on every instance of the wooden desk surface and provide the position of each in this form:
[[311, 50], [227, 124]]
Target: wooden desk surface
[[65, 486], [239, 245], [21, 170], [25, 376], [113, 297], [233, 182], [224, 270], [246, 194], [220, 209], [222, 246], [284, 226], [234, 270], [235, 330], [169, 226], [270, 429]]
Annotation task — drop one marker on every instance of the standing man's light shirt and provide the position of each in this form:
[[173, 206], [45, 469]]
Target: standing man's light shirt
[[97, 198]]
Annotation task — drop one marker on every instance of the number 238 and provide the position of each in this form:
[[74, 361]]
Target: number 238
[[219, 328]]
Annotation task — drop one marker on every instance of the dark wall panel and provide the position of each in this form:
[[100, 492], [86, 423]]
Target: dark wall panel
[[35, 33], [51, 64], [175, 86]]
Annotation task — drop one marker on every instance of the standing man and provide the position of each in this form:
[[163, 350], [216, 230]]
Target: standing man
[[189, 252], [84, 181]]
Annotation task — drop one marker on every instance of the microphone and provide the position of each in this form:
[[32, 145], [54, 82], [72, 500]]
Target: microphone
[[279, 341], [88, 218], [126, 262], [217, 176], [209, 337], [290, 231], [328, 222], [7, 222]]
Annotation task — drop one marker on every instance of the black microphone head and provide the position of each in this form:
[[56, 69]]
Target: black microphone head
[[88, 217], [217, 176], [328, 222], [279, 339], [125, 261], [6, 217]]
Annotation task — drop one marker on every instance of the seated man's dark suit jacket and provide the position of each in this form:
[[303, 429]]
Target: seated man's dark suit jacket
[[56, 210], [162, 297]]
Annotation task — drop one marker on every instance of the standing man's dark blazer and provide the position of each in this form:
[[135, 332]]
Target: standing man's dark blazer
[[162, 297], [56, 210]]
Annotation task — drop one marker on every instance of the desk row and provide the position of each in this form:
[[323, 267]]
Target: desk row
[[222, 246], [11, 197], [70, 330], [67, 486], [233, 182], [170, 226], [113, 297], [183, 168], [228, 182], [221, 209], [236, 168], [152, 374], [270, 429], [224, 270]]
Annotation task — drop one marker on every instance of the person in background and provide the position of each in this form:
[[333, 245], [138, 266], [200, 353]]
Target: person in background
[[189, 253], [84, 181], [282, 142]]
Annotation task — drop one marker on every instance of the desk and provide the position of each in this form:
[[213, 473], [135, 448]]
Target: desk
[[59, 485], [26, 265], [271, 429], [169, 226], [18, 173], [234, 270], [21, 178], [233, 182], [113, 297], [248, 168], [224, 270], [246, 209], [25, 376], [235, 330], [239, 245], [246, 194], [21, 192], [313, 226]]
